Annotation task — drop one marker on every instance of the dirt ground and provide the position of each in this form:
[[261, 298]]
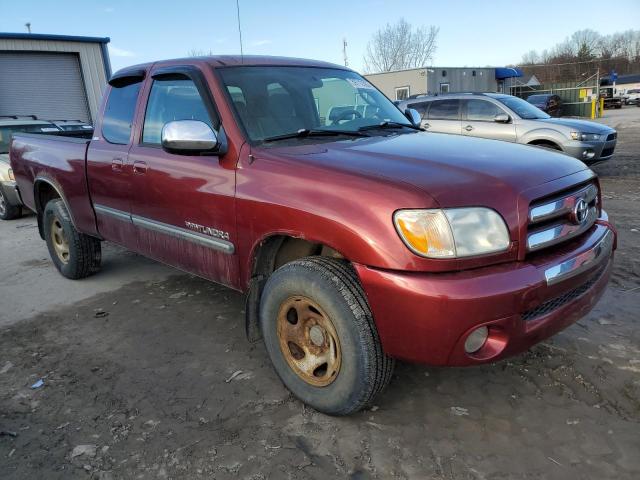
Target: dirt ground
[[142, 382]]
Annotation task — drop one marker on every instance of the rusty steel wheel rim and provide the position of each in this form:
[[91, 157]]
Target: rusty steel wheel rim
[[59, 240], [309, 341]]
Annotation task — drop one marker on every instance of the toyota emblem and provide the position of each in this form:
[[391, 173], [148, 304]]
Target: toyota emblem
[[580, 211]]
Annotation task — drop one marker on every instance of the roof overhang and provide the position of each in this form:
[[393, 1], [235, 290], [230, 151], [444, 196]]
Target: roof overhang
[[507, 72], [56, 38]]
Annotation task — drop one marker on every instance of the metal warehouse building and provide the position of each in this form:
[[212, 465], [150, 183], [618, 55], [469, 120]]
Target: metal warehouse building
[[402, 84], [52, 76]]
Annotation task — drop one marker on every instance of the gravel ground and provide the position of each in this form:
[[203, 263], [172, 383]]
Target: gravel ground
[[156, 380]]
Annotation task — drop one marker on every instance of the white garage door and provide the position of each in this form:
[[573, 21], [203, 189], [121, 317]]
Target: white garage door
[[48, 85]]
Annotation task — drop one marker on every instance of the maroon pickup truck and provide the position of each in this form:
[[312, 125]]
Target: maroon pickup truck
[[358, 238]]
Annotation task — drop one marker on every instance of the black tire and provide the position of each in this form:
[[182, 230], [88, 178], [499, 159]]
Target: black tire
[[7, 210], [83, 253], [365, 370]]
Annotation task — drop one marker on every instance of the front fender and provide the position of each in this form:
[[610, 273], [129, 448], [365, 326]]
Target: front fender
[[546, 134]]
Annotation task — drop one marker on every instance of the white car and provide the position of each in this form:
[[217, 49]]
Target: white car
[[632, 96], [10, 202]]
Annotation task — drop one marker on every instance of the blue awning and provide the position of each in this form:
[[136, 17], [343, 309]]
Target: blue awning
[[507, 72]]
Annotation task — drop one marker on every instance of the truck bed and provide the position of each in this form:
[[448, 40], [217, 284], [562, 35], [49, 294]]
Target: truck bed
[[43, 162]]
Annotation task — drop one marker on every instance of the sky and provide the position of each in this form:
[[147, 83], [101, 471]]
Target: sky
[[472, 33]]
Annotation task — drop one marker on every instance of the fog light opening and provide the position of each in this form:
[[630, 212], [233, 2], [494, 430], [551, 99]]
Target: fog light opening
[[588, 154], [476, 339]]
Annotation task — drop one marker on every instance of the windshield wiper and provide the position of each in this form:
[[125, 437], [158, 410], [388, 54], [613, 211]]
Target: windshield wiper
[[306, 132], [389, 124]]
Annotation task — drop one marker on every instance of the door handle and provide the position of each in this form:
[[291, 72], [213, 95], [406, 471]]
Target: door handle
[[116, 164], [139, 167], [468, 128]]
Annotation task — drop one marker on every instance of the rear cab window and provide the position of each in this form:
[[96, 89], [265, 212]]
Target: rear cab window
[[117, 119], [444, 110]]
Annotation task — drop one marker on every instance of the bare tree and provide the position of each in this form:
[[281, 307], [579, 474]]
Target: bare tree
[[530, 58], [400, 46]]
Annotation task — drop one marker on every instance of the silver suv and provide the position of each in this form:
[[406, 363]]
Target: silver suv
[[508, 118]]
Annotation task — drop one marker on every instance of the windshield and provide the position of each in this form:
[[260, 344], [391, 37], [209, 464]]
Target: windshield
[[522, 108], [8, 130], [274, 101]]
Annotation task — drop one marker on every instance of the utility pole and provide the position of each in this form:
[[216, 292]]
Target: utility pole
[[344, 51], [598, 92], [28, 25]]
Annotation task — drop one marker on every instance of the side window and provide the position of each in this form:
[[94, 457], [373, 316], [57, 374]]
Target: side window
[[421, 107], [444, 110], [481, 111], [169, 100], [118, 113]]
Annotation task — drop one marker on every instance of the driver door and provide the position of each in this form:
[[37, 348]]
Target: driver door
[[479, 121], [183, 206]]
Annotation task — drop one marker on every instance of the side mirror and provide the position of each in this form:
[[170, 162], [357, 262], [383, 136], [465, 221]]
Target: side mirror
[[413, 116], [188, 137], [502, 118]]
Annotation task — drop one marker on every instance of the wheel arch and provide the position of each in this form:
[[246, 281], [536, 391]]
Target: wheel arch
[[542, 136], [46, 189], [267, 255]]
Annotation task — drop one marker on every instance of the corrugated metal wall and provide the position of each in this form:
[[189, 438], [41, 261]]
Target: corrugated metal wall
[[91, 63]]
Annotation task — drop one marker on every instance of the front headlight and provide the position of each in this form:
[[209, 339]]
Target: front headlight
[[585, 137], [452, 232]]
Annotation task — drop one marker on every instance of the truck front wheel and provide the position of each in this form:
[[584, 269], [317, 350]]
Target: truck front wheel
[[74, 254], [320, 335]]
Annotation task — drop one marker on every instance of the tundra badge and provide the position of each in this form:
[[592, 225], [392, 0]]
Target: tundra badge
[[212, 232]]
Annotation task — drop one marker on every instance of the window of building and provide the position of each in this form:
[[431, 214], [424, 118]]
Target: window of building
[[444, 110], [402, 93], [444, 88], [118, 113], [169, 100], [482, 111]]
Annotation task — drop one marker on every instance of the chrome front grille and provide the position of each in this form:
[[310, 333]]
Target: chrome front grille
[[561, 218]]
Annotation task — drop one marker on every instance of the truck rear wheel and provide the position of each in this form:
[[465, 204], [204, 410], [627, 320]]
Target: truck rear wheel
[[321, 337], [74, 254], [7, 210]]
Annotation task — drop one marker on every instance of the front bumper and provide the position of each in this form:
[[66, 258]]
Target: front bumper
[[426, 318], [11, 193], [590, 152]]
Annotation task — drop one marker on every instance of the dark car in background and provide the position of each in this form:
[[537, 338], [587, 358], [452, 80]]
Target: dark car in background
[[549, 103]]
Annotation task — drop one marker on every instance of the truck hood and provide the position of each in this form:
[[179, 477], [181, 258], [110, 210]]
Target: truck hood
[[453, 170], [583, 126]]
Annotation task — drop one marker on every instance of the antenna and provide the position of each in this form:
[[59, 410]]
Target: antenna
[[28, 25], [239, 30], [344, 51]]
